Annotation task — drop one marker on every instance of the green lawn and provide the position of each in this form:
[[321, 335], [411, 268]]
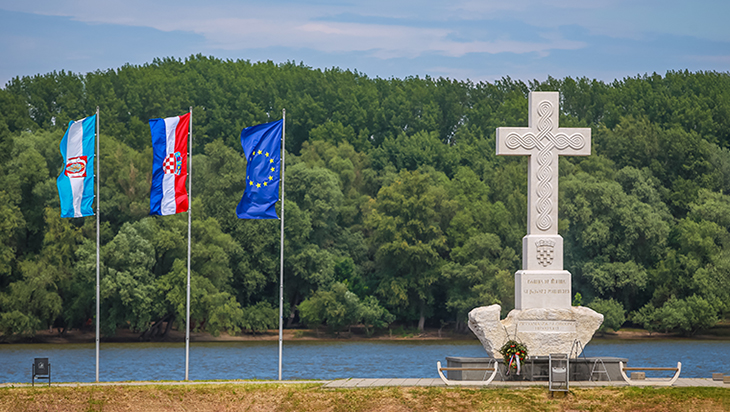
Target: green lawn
[[311, 397]]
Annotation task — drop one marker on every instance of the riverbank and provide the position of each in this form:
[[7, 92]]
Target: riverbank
[[312, 397], [719, 332], [125, 335]]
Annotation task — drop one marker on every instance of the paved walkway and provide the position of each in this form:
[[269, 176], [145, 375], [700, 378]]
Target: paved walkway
[[371, 383]]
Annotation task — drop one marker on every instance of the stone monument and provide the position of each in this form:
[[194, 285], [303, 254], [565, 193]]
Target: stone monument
[[543, 318]]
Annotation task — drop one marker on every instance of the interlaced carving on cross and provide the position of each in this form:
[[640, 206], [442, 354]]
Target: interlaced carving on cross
[[543, 142]]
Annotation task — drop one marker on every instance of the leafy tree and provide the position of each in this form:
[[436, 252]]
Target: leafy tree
[[336, 307], [79, 299], [316, 191], [11, 220], [612, 237], [339, 308], [373, 315], [409, 152], [31, 303], [259, 317], [577, 299], [646, 317], [686, 315], [407, 221], [479, 275], [613, 313]]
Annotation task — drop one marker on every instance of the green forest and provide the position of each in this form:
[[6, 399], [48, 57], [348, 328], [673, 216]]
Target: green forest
[[398, 211]]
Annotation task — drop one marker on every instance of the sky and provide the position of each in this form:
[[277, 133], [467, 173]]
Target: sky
[[459, 39]]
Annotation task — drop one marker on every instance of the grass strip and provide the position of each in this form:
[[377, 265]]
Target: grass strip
[[312, 397]]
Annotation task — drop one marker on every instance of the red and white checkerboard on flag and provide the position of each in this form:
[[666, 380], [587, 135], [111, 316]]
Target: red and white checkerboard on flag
[[172, 164], [168, 194]]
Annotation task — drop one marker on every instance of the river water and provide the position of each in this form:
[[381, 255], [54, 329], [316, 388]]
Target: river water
[[318, 359]]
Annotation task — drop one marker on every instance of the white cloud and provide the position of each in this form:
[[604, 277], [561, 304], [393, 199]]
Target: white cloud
[[240, 27], [381, 37]]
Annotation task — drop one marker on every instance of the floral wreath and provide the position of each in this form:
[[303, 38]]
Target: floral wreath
[[514, 354]]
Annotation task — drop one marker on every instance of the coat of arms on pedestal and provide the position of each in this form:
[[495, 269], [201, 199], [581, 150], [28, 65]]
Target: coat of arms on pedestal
[[545, 251]]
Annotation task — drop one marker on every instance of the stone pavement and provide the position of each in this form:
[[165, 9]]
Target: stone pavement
[[372, 383]]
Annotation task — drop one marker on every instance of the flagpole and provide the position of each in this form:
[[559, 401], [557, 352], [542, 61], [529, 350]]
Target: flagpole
[[281, 248], [190, 209], [98, 197]]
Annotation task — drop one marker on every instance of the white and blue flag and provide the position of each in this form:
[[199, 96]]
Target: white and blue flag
[[76, 182]]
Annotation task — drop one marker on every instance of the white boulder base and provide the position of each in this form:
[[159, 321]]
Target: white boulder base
[[542, 330]]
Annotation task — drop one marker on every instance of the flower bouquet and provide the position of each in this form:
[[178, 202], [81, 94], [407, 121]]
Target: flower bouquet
[[514, 354]]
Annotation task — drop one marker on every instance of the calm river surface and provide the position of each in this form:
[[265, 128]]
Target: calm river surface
[[317, 359]]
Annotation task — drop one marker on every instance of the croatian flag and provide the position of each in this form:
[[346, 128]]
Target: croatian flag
[[169, 165], [76, 181]]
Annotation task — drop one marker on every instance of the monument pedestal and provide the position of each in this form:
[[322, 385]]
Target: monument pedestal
[[536, 369], [542, 289], [542, 330]]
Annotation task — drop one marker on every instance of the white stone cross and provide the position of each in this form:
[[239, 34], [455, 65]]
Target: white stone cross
[[543, 141], [542, 248]]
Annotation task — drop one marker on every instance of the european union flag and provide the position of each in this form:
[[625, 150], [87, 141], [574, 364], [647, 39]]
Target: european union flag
[[262, 148]]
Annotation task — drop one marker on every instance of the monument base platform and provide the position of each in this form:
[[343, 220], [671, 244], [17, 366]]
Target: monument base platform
[[536, 369], [542, 330]]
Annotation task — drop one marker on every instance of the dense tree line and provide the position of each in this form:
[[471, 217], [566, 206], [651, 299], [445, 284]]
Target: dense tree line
[[397, 208]]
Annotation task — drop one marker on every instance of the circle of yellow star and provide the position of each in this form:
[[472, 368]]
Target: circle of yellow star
[[267, 155], [266, 183], [259, 151], [250, 183], [271, 178], [272, 169], [258, 184]]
